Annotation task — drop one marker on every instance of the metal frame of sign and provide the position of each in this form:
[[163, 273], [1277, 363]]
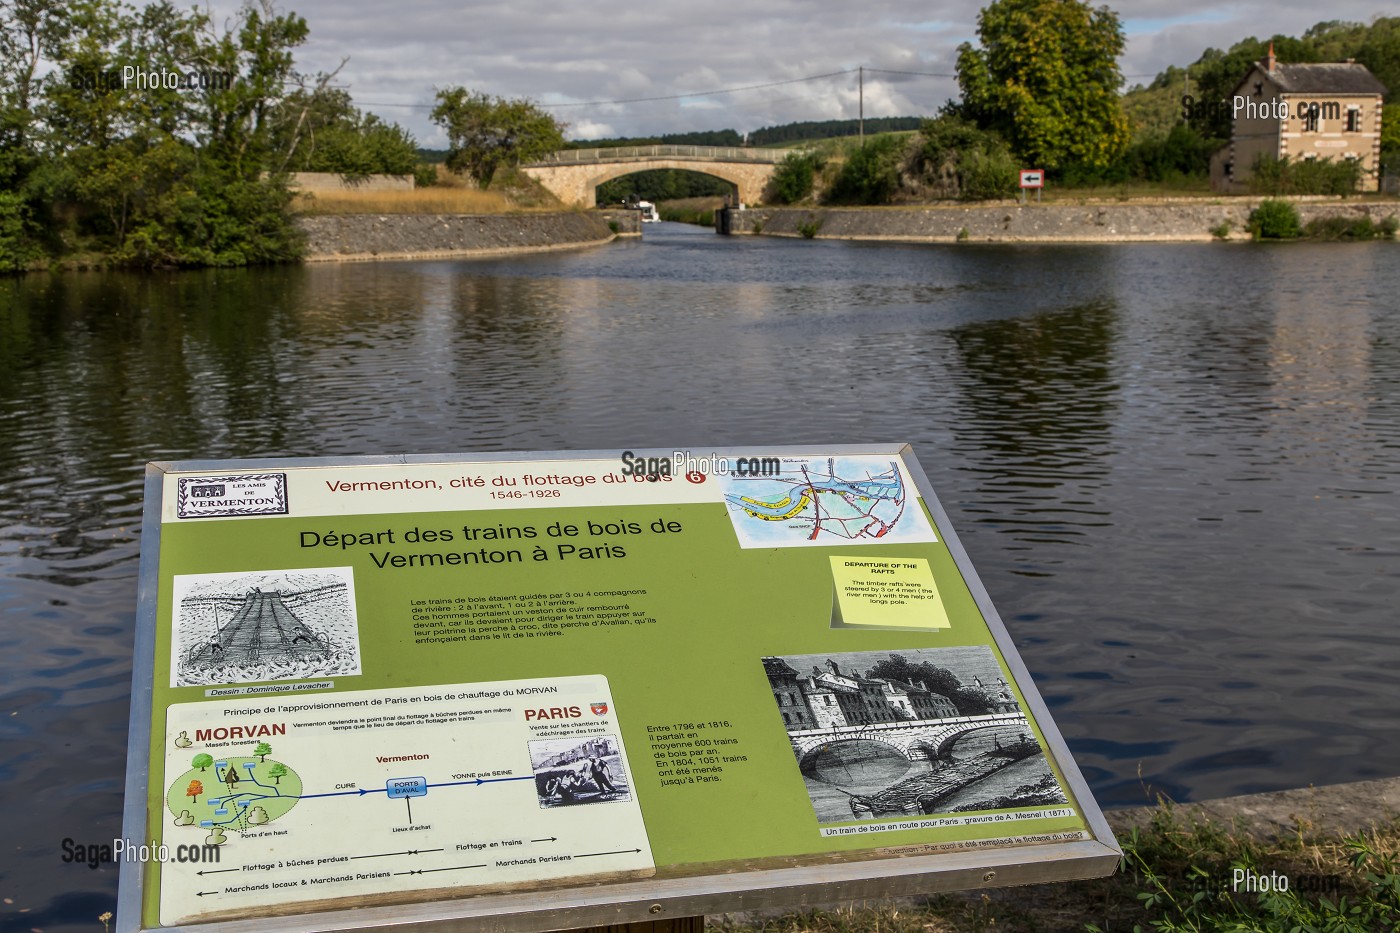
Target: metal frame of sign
[[865, 873]]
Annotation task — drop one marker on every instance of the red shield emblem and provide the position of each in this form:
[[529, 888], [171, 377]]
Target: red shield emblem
[[598, 709]]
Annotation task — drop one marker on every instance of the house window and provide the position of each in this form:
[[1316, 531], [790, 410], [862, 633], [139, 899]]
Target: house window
[[1354, 120], [1311, 118]]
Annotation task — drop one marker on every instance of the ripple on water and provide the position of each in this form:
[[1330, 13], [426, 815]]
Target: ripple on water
[[1183, 502]]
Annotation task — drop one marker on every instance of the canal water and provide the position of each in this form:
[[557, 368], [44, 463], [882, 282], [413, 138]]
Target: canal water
[[1174, 466]]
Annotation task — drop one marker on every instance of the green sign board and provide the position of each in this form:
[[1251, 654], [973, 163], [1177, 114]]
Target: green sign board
[[544, 690]]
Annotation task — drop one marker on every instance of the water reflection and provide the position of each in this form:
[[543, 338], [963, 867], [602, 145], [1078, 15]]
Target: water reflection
[[1038, 396], [1172, 465]]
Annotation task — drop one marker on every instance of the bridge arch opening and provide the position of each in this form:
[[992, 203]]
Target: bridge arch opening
[[856, 765], [978, 740], [664, 184]]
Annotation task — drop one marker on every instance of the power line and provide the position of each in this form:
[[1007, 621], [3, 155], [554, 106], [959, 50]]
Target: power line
[[643, 100], [924, 74], [717, 91], [727, 90]]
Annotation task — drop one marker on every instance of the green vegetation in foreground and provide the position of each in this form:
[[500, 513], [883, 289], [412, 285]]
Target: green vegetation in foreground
[[1176, 876], [190, 164], [1276, 219]]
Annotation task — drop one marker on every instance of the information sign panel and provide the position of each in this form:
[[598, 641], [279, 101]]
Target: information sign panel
[[1032, 178], [568, 689]]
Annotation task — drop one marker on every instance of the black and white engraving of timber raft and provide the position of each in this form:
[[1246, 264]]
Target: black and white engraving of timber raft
[[262, 628]]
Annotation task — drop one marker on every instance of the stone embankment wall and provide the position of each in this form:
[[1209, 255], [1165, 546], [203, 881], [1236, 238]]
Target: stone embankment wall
[[349, 237], [1032, 223], [330, 181]]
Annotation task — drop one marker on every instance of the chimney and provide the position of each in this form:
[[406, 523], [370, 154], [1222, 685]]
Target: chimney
[[1271, 61]]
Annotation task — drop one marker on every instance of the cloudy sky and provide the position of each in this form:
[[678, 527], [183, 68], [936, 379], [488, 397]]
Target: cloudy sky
[[577, 57]]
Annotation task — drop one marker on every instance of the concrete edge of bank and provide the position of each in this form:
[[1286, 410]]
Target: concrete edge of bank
[[1039, 223], [370, 237], [1331, 810]]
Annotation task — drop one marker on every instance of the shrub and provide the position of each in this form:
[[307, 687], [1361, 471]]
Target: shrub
[[1181, 154], [1221, 231], [809, 227], [957, 160], [1309, 176], [1275, 220], [1342, 228], [794, 177], [424, 175], [16, 249], [871, 173]]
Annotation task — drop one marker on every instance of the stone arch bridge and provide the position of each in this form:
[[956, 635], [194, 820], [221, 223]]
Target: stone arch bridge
[[917, 740], [573, 175]]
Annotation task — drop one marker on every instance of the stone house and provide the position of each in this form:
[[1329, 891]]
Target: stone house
[[1315, 111], [836, 699]]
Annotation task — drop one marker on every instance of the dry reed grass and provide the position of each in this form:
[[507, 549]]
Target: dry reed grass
[[435, 200]]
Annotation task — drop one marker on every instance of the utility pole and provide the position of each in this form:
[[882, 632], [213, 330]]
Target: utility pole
[[862, 105]]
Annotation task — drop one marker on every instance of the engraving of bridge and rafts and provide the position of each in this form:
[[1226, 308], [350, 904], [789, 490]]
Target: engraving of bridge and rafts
[[262, 628], [930, 741], [918, 740]]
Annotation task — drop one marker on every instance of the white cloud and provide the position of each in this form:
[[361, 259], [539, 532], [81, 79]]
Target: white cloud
[[609, 50]]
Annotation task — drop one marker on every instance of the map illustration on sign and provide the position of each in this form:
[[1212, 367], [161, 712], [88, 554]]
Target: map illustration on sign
[[825, 502], [233, 792], [471, 786]]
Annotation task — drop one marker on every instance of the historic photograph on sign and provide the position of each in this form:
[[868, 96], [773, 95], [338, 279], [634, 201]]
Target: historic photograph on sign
[[236, 628], [885, 735], [579, 769]]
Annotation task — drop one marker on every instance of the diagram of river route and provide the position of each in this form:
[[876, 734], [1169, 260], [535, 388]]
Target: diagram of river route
[[379, 792], [823, 502]]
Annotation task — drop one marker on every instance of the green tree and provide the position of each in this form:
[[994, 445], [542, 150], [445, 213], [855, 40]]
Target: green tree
[[485, 133], [1046, 78], [1379, 50], [167, 175], [262, 751], [968, 700], [31, 32], [320, 130], [277, 772], [202, 761], [1390, 138], [795, 177]]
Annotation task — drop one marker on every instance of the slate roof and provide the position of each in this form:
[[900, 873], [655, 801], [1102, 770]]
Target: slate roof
[[1330, 78], [777, 667]]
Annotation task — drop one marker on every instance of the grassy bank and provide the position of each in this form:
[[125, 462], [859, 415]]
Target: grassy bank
[[700, 211], [1179, 873], [511, 190], [417, 201]]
